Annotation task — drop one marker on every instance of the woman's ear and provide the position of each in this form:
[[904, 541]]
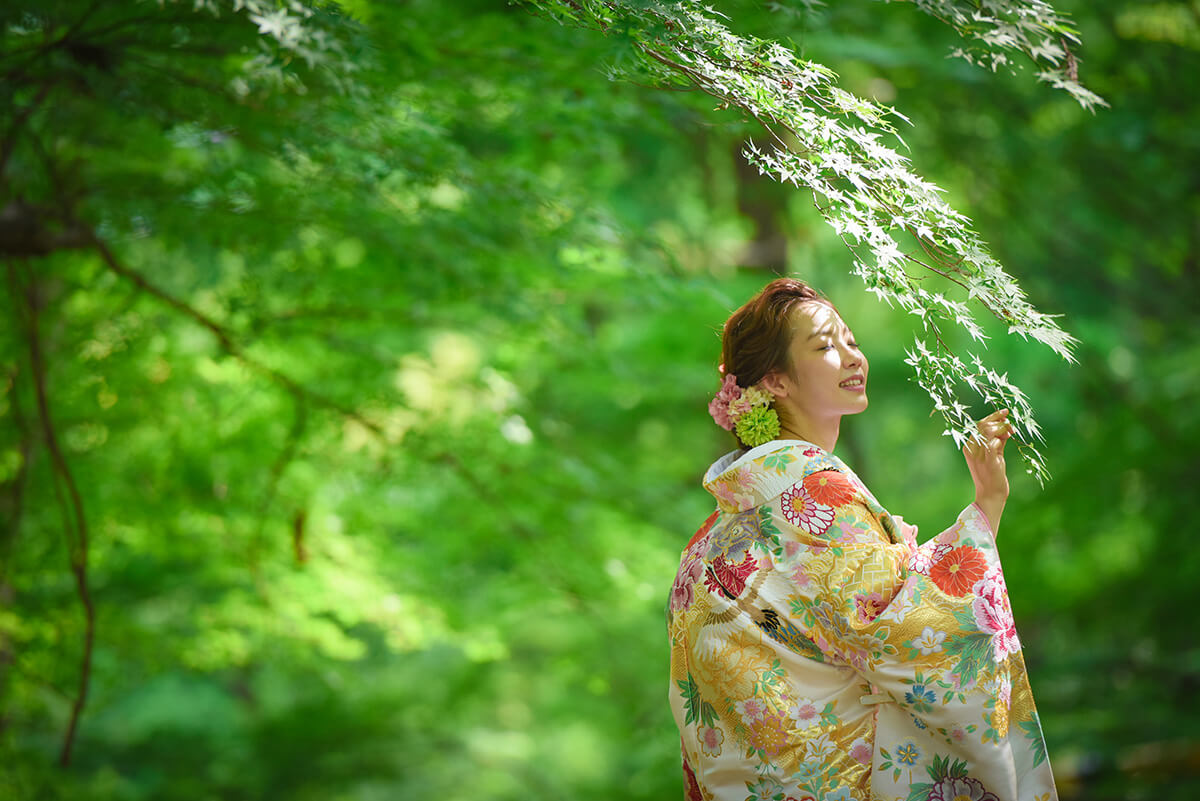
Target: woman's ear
[[773, 382]]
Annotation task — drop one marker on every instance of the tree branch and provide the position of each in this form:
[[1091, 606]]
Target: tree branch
[[74, 517], [14, 131], [226, 340], [290, 446]]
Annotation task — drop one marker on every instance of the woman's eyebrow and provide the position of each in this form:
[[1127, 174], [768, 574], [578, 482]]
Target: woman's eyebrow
[[823, 332], [826, 331]]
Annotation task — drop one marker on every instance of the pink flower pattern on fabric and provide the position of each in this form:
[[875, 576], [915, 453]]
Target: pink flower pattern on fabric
[[805, 713], [711, 740], [869, 606], [736, 490], [924, 558], [920, 561], [689, 573], [752, 709], [861, 751], [993, 614]]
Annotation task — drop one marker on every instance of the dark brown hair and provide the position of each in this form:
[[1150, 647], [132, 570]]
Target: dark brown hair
[[755, 338]]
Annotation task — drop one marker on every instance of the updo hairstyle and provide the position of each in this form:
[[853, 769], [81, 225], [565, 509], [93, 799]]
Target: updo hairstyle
[[755, 338]]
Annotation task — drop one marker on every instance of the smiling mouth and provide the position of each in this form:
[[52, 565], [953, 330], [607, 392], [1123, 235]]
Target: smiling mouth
[[853, 383]]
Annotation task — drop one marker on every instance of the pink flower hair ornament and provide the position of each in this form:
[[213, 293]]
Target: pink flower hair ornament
[[747, 411]]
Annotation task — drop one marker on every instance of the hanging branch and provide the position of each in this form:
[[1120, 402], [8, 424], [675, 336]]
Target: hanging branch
[[71, 507], [996, 29], [1033, 28], [290, 445], [862, 188], [227, 342]]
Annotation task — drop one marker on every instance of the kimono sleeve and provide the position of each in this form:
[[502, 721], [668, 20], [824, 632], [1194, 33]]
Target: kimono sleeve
[[930, 627]]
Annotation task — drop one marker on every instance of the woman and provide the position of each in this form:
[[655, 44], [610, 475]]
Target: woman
[[817, 652]]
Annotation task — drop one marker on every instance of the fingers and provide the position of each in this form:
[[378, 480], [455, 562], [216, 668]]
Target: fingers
[[996, 424], [995, 429], [991, 448], [999, 417]]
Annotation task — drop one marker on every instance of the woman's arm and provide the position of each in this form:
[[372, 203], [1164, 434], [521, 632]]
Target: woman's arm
[[986, 462]]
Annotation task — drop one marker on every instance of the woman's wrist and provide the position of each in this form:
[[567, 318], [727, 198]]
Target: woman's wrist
[[991, 506]]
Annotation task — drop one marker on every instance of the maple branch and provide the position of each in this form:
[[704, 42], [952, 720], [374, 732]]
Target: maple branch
[[697, 80]]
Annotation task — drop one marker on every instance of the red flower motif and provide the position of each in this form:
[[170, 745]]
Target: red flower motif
[[829, 487], [801, 509], [727, 577], [690, 785], [957, 571]]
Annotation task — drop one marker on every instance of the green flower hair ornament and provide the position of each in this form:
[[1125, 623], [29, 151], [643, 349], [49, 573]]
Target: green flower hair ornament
[[759, 425], [746, 411]]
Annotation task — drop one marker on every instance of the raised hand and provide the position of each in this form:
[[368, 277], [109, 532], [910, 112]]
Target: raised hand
[[986, 462]]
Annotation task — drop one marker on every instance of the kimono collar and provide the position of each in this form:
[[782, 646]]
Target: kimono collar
[[742, 480]]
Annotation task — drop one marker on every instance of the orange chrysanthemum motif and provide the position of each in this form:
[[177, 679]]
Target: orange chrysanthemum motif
[[829, 487], [957, 571]]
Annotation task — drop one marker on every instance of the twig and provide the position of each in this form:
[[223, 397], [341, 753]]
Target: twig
[[225, 339], [290, 445], [14, 131], [77, 540], [37, 51]]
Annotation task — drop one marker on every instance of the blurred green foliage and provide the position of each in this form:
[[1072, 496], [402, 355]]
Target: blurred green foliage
[[388, 456]]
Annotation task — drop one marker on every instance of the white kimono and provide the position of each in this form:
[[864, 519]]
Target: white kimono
[[819, 654]]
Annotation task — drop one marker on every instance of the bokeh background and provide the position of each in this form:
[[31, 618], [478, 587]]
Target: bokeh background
[[387, 416]]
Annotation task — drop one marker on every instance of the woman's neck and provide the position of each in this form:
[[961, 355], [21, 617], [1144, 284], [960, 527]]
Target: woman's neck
[[823, 435]]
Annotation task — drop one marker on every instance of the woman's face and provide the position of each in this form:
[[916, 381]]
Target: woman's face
[[824, 358]]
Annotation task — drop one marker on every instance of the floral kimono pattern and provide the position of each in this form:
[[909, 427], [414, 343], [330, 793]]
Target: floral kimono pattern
[[818, 653]]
